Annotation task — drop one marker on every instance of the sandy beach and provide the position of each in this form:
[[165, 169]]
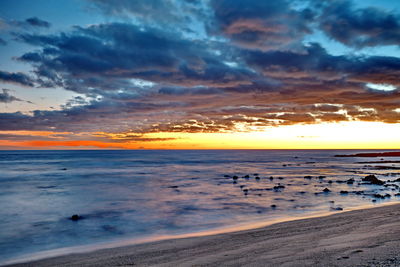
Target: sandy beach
[[367, 237]]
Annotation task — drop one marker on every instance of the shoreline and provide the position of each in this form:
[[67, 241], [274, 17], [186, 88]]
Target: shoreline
[[89, 255]]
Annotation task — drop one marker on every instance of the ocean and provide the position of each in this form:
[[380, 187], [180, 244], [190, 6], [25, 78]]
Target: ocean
[[133, 195]]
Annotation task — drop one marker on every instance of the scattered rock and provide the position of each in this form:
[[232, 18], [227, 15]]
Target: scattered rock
[[257, 178], [235, 177], [273, 206], [373, 180], [343, 192], [307, 177], [321, 177], [279, 187], [271, 178], [246, 176], [350, 181], [173, 186], [76, 217], [326, 190], [64, 169]]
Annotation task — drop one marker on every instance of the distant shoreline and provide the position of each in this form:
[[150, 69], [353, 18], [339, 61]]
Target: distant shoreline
[[360, 237], [372, 155]]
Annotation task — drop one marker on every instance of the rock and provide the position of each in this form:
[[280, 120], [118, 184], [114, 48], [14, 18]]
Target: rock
[[235, 177], [307, 177], [273, 206], [373, 180], [173, 186], [246, 176], [350, 181], [321, 177], [344, 192], [64, 169], [75, 217], [337, 208], [257, 178], [330, 181], [279, 187], [271, 178], [381, 196], [227, 176], [280, 178], [326, 190], [255, 174]]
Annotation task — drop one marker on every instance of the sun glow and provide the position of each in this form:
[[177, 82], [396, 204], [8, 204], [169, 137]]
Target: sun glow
[[343, 135]]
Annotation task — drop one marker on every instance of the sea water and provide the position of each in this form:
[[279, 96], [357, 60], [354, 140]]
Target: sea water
[[135, 194]]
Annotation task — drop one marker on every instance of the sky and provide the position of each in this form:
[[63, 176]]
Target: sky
[[192, 74]]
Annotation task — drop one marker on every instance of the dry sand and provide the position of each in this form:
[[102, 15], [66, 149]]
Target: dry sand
[[368, 237]]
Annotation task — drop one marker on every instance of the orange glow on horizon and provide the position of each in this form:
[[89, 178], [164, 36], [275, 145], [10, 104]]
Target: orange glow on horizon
[[344, 135]]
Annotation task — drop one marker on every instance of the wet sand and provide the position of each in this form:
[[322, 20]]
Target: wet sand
[[367, 237]]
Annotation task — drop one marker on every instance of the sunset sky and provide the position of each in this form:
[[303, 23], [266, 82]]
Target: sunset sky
[[212, 74]]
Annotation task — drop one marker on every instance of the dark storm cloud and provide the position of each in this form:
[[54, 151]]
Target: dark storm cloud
[[16, 77], [253, 69], [6, 97], [358, 27]]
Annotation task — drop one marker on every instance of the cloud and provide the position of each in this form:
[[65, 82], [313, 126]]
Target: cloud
[[358, 27], [16, 77], [2, 42], [252, 70], [36, 22], [5, 97], [264, 25]]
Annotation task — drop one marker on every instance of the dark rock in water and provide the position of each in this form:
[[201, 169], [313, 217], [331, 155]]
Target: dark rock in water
[[321, 177], [246, 176], [397, 195], [340, 181], [330, 181], [245, 190], [271, 178], [227, 176], [280, 178], [75, 217], [279, 187], [374, 200], [343, 192], [173, 186], [350, 181], [326, 190], [373, 180], [255, 174], [273, 206], [284, 165], [307, 177], [64, 169], [257, 178], [381, 196], [337, 208], [235, 177], [241, 186]]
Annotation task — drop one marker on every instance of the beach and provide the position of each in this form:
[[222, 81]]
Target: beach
[[365, 237]]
